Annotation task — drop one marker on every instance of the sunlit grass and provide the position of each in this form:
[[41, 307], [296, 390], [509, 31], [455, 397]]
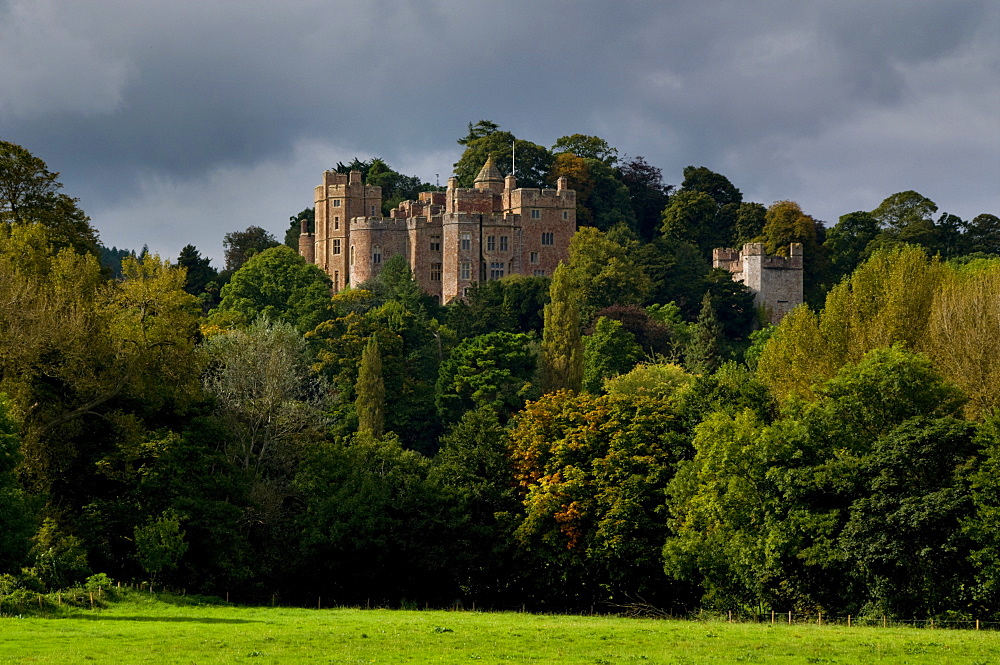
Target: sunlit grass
[[147, 630]]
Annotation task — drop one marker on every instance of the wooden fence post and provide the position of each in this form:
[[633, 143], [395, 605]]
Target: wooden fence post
[[772, 617], [789, 618], [848, 620], [884, 621]]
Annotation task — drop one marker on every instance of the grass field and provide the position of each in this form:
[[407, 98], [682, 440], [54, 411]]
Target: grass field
[[147, 630]]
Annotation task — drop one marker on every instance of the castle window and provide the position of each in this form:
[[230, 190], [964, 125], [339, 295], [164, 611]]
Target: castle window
[[373, 211], [336, 222], [536, 213], [539, 273], [435, 243], [534, 257], [565, 215], [352, 255], [376, 254], [466, 241], [466, 270], [496, 270], [465, 292], [336, 203], [491, 243], [503, 243], [336, 245], [336, 280], [548, 238], [435, 272]]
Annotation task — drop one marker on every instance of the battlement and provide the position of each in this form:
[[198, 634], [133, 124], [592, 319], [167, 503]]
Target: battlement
[[776, 281]]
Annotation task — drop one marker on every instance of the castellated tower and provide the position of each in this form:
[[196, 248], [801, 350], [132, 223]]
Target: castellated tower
[[450, 239], [776, 281]]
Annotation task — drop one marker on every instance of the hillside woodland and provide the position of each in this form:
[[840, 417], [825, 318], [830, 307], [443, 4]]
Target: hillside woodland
[[626, 433]]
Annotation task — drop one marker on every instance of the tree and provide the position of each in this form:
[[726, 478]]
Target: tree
[[16, 518], [494, 370], [199, 270], [591, 473], [277, 284], [983, 234], [848, 243], [703, 354], [647, 192], [690, 217], [750, 221], [511, 304], [370, 400], [160, 544], [608, 351], [903, 210], [308, 215], [239, 246], [485, 139], [785, 224], [29, 193], [603, 272], [561, 360], [591, 147], [265, 393]]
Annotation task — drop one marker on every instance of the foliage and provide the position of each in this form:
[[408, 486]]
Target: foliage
[[485, 139], [239, 246], [512, 304], [294, 230], [603, 272], [279, 285], [370, 390], [658, 380], [561, 360], [160, 544], [592, 471], [29, 194], [495, 370], [16, 519], [608, 352], [703, 354]]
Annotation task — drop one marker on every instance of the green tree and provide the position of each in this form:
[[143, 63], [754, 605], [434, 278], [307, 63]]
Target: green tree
[[494, 370], [608, 352], [60, 558], [199, 270], [485, 139], [308, 215], [373, 526], [239, 246], [512, 304], [29, 194], [561, 359], [647, 192], [16, 518], [603, 272], [370, 400], [277, 284], [703, 354], [266, 395], [590, 147], [160, 544]]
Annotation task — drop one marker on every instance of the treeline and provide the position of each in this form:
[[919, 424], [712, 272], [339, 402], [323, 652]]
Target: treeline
[[623, 433]]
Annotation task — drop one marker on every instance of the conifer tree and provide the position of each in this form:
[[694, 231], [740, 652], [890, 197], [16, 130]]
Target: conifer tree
[[370, 388], [704, 354], [561, 362]]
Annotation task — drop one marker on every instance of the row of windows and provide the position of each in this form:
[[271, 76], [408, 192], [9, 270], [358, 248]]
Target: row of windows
[[377, 251]]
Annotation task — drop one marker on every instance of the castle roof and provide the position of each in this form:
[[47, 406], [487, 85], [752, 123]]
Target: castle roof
[[489, 172]]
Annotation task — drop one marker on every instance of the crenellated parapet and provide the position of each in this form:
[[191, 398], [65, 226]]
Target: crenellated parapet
[[451, 239], [776, 281]]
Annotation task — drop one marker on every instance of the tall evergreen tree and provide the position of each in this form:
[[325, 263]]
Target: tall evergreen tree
[[370, 402], [561, 362], [704, 354]]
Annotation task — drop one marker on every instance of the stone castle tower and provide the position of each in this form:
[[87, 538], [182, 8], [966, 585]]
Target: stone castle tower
[[451, 239], [776, 281]]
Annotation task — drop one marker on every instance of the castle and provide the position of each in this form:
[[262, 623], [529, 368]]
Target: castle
[[776, 281], [451, 239]]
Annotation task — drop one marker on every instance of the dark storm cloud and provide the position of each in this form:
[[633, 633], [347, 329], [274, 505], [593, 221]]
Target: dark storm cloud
[[176, 122]]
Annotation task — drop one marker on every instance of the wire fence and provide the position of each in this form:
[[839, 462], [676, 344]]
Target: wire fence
[[23, 601]]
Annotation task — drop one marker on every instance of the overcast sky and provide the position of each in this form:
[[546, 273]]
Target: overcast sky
[[176, 122]]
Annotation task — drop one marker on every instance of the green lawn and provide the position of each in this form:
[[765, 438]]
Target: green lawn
[[150, 631]]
